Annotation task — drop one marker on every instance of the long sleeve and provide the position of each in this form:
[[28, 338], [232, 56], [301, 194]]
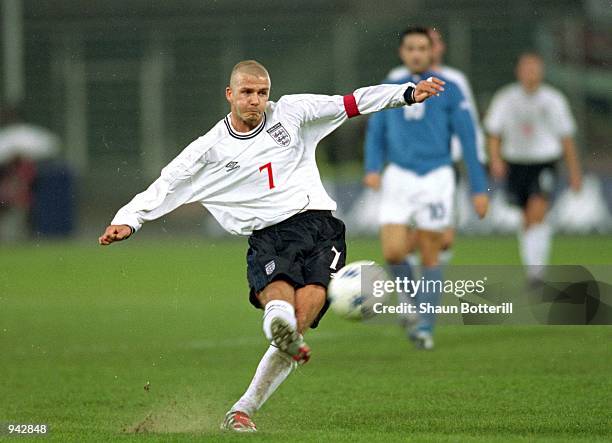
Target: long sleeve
[[376, 98], [172, 189], [375, 143], [318, 115], [311, 107], [463, 126]]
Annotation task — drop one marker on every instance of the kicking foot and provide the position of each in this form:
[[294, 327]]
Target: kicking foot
[[238, 422], [288, 340], [422, 339]]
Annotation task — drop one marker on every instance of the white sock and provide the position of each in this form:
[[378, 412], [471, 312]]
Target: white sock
[[274, 367], [274, 309], [535, 248]]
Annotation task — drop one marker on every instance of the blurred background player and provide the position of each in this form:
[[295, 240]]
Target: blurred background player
[[438, 49], [530, 127], [22, 146], [418, 183]]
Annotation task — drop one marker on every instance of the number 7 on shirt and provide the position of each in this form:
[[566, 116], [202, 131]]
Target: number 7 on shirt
[[268, 166]]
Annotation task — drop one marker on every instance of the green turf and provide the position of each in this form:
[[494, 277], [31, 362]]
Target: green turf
[[84, 328]]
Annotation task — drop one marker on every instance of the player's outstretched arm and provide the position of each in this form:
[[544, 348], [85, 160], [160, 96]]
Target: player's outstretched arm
[[335, 109], [182, 181], [115, 233]]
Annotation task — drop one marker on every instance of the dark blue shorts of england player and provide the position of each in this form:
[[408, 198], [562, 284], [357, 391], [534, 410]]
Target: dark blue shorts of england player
[[526, 180], [307, 248]]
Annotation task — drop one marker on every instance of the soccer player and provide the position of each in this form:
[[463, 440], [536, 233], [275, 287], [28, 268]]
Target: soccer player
[[438, 50], [255, 171], [418, 183], [530, 127]]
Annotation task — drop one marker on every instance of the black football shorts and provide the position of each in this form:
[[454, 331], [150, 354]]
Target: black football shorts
[[307, 248], [525, 180]]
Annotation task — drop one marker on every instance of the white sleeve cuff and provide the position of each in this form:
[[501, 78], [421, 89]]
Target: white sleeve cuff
[[126, 219]]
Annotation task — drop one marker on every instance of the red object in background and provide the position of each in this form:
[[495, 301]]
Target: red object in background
[[16, 181]]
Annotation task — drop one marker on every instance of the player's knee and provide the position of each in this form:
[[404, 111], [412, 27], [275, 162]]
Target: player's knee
[[535, 212]]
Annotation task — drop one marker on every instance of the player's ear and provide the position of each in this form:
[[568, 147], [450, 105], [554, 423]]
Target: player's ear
[[228, 94]]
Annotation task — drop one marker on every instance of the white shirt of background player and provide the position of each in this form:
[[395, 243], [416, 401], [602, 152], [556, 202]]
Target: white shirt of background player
[[531, 125]]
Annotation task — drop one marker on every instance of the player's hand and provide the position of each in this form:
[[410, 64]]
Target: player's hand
[[115, 233], [481, 204], [428, 88], [498, 168], [575, 182], [372, 180]]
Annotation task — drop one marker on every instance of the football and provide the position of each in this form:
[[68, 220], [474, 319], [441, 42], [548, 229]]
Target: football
[[350, 291]]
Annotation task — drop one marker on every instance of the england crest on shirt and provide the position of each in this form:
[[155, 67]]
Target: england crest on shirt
[[280, 135]]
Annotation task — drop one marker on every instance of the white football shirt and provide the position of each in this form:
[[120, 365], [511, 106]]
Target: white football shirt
[[253, 180], [459, 78], [531, 126]]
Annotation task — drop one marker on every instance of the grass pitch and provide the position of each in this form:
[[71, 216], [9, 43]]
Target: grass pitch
[[150, 341]]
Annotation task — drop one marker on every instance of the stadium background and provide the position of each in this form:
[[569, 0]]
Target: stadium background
[[126, 85]]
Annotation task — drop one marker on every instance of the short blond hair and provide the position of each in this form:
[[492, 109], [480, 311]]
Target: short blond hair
[[250, 67]]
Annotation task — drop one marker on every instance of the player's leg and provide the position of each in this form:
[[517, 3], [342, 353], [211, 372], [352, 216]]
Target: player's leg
[[282, 302], [278, 300], [272, 280], [536, 235], [398, 245], [398, 193], [276, 365], [432, 220], [327, 256], [397, 241], [309, 302], [395, 212], [428, 297]]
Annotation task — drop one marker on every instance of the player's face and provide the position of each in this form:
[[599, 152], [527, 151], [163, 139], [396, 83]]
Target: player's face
[[248, 97], [415, 51], [530, 72], [438, 47]]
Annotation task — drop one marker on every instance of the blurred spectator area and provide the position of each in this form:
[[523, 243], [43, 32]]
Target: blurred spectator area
[[126, 85]]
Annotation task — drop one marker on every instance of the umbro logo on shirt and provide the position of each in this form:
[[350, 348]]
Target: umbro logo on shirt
[[231, 166]]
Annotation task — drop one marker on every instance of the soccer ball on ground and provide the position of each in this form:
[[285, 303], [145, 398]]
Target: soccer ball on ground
[[350, 291]]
